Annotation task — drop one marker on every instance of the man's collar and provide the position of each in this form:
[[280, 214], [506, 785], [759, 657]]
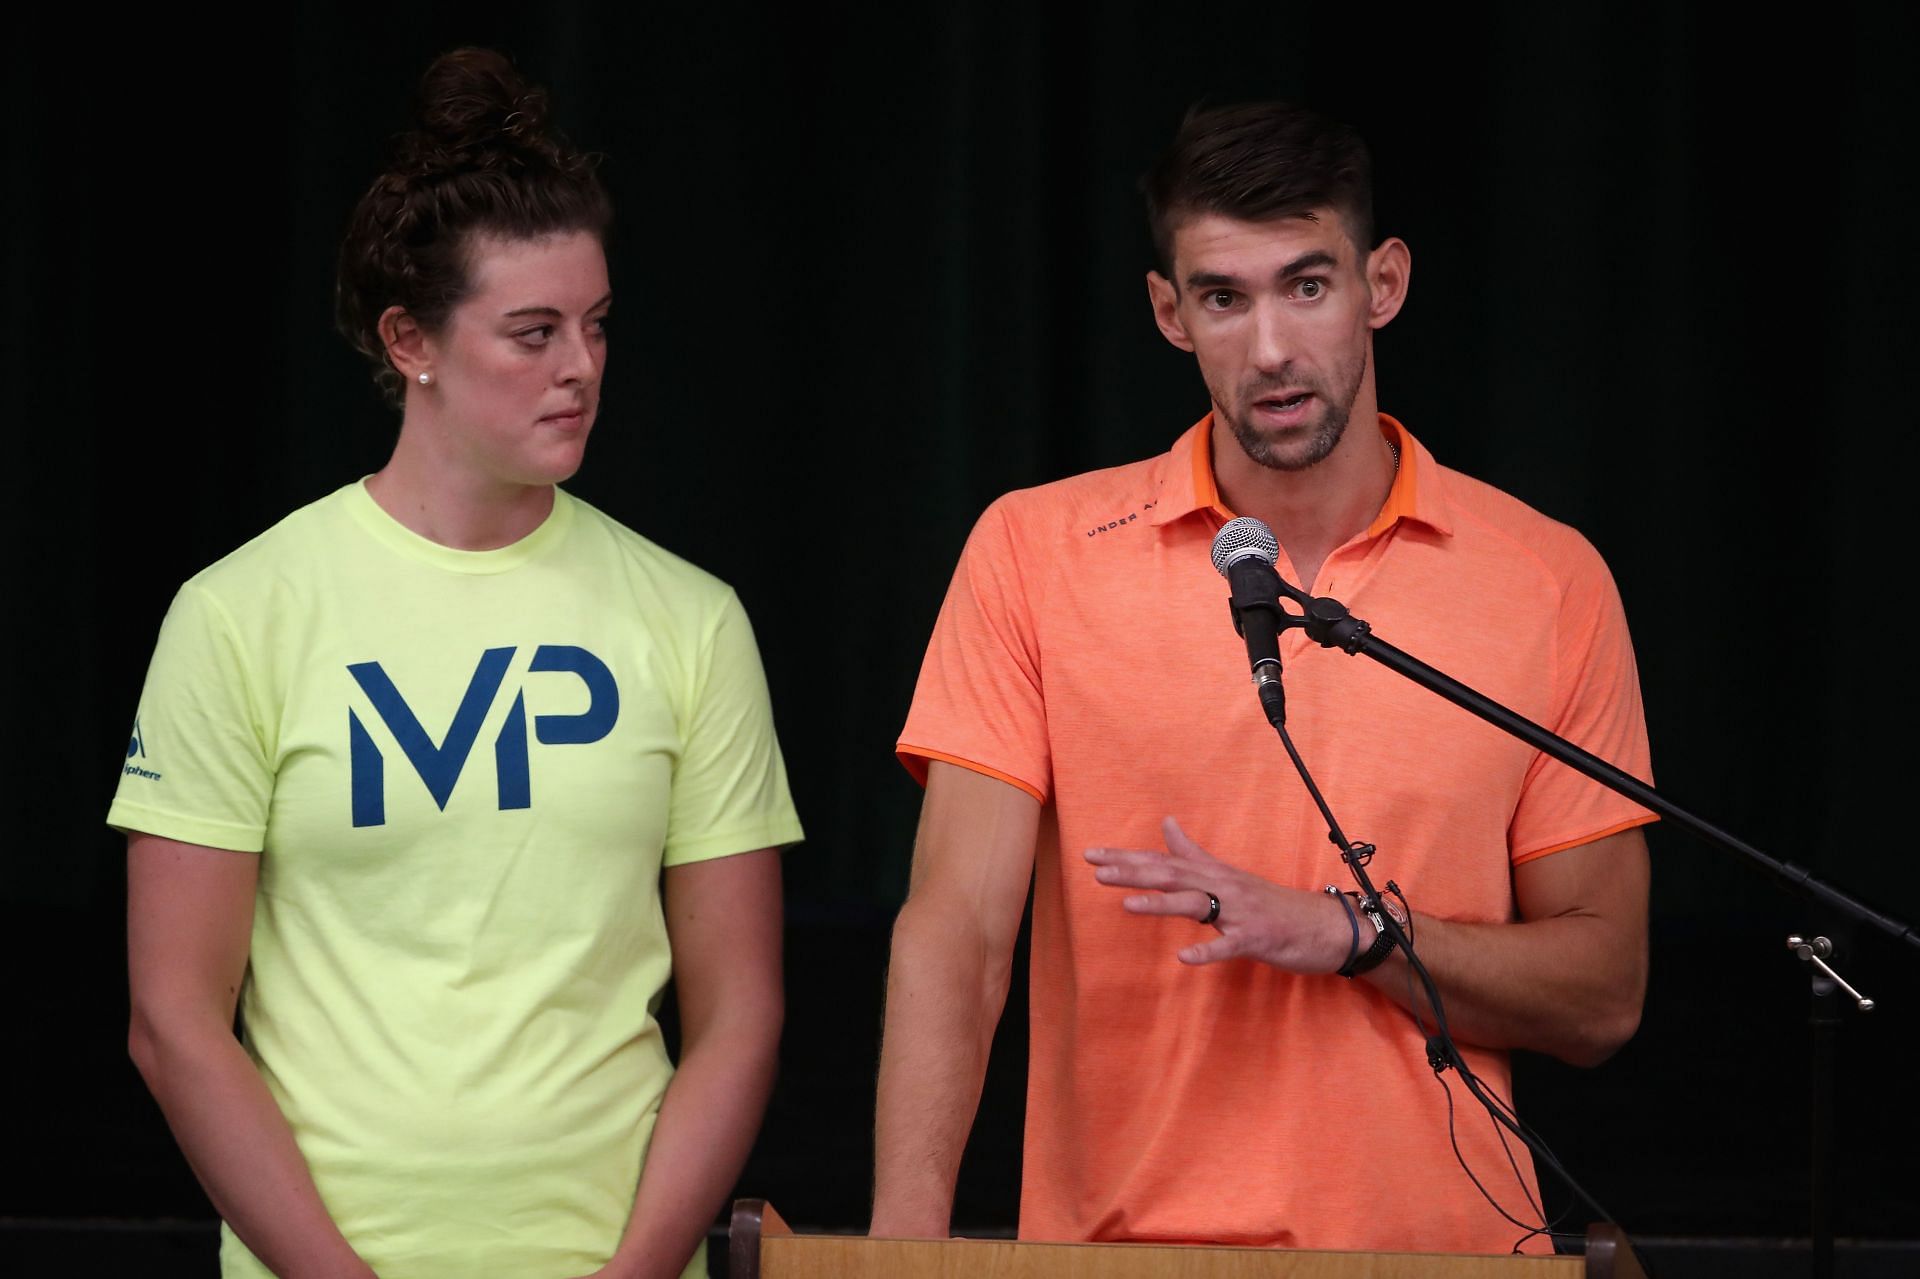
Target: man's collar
[[1185, 482], [1418, 492], [1184, 478]]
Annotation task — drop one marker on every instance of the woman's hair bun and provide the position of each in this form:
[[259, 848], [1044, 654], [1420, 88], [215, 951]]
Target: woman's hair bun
[[476, 112]]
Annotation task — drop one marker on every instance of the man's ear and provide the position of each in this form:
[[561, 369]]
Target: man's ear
[[406, 343], [1388, 268], [1165, 300]]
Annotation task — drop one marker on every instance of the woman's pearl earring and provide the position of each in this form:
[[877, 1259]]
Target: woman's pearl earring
[[426, 379]]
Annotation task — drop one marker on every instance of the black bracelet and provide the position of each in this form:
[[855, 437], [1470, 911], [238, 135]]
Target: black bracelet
[[1353, 922], [1377, 953]]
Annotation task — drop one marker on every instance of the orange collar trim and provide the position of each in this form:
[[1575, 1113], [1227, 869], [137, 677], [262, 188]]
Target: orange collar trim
[[1187, 485], [1409, 498]]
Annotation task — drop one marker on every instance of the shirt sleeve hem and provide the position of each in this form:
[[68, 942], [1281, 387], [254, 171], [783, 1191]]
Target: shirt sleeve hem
[[138, 819], [772, 834], [1640, 820], [914, 759]]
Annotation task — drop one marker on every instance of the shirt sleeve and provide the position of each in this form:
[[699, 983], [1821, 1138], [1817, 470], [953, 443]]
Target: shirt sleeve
[[197, 767], [1597, 707], [980, 702], [730, 783]]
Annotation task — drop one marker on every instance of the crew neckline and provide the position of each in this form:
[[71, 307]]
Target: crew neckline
[[398, 537]]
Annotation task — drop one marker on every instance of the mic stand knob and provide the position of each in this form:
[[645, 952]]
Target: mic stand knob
[[1816, 952]]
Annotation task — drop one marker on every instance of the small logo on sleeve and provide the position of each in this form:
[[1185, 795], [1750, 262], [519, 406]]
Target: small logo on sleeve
[[137, 746]]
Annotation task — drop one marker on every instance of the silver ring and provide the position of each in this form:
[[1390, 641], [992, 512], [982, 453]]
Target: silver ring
[[1213, 908]]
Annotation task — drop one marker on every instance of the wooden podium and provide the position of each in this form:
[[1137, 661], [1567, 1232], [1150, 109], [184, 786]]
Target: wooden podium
[[761, 1246]]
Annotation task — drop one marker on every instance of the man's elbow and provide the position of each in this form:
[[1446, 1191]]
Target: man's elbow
[[945, 944], [1603, 1032], [947, 969]]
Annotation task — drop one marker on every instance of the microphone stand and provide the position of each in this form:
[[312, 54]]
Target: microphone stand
[[1327, 622], [1823, 1019]]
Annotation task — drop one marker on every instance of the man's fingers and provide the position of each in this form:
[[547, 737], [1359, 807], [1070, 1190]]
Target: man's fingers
[[1123, 856], [1179, 842], [1209, 952], [1155, 874], [1133, 868], [1191, 902]]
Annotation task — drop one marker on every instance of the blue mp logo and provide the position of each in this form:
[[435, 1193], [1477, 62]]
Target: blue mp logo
[[439, 764]]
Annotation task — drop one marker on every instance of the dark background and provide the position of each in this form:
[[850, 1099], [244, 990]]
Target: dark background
[[872, 273]]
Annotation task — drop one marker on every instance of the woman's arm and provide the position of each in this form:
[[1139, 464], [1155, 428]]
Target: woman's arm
[[189, 926], [723, 922]]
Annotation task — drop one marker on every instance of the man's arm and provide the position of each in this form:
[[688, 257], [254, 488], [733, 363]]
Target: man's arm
[[1567, 979], [952, 958], [723, 923], [189, 929]]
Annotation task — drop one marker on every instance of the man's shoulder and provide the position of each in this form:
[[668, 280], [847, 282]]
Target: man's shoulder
[[1083, 506], [1495, 522]]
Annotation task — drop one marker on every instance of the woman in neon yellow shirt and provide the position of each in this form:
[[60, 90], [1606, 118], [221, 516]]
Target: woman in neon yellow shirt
[[444, 774]]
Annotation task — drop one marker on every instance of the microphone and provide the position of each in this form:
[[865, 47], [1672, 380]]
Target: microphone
[[1244, 550]]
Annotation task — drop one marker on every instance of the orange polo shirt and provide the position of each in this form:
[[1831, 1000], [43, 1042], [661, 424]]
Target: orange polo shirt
[[1085, 654]]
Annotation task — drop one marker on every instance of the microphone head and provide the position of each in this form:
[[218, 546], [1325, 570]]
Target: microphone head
[[1244, 537]]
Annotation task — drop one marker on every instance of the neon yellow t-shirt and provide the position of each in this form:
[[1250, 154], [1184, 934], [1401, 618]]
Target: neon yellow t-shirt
[[464, 772]]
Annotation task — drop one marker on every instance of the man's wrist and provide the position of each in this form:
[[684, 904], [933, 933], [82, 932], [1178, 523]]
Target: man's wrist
[[1350, 935], [1377, 939], [910, 1224], [912, 1208]]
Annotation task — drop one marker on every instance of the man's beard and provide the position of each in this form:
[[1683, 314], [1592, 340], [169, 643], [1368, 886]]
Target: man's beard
[[1321, 434]]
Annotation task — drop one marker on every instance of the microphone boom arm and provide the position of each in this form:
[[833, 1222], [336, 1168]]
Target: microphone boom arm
[[1328, 624]]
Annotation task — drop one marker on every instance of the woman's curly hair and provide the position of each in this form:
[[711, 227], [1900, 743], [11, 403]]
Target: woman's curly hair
[[481, 159]]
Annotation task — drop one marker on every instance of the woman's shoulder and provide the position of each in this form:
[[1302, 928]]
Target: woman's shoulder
[[636, 554], [293, 539]]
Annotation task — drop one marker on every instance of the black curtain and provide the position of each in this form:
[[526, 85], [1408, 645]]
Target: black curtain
[[872, 272]]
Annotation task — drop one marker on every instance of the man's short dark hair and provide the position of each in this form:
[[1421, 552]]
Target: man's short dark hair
[[1258, 162]]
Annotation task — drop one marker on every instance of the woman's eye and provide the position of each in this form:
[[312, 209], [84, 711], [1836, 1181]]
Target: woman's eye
[[536, 336]]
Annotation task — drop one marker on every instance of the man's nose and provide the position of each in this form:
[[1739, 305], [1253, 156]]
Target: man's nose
[[1272, 339]]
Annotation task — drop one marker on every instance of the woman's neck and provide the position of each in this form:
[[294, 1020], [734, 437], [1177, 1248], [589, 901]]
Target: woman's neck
[[453, 505]]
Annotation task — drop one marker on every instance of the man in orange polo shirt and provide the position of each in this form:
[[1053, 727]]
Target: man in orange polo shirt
[[1249, 1073]]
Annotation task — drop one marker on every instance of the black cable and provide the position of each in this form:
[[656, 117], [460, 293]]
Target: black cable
[[1507, 1150], [1420, 1024], [1441, 1048], [1454, 1141]]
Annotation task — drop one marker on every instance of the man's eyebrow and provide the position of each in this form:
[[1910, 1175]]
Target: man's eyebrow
[[1312, 260], [1315, 260], [554, 311]]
